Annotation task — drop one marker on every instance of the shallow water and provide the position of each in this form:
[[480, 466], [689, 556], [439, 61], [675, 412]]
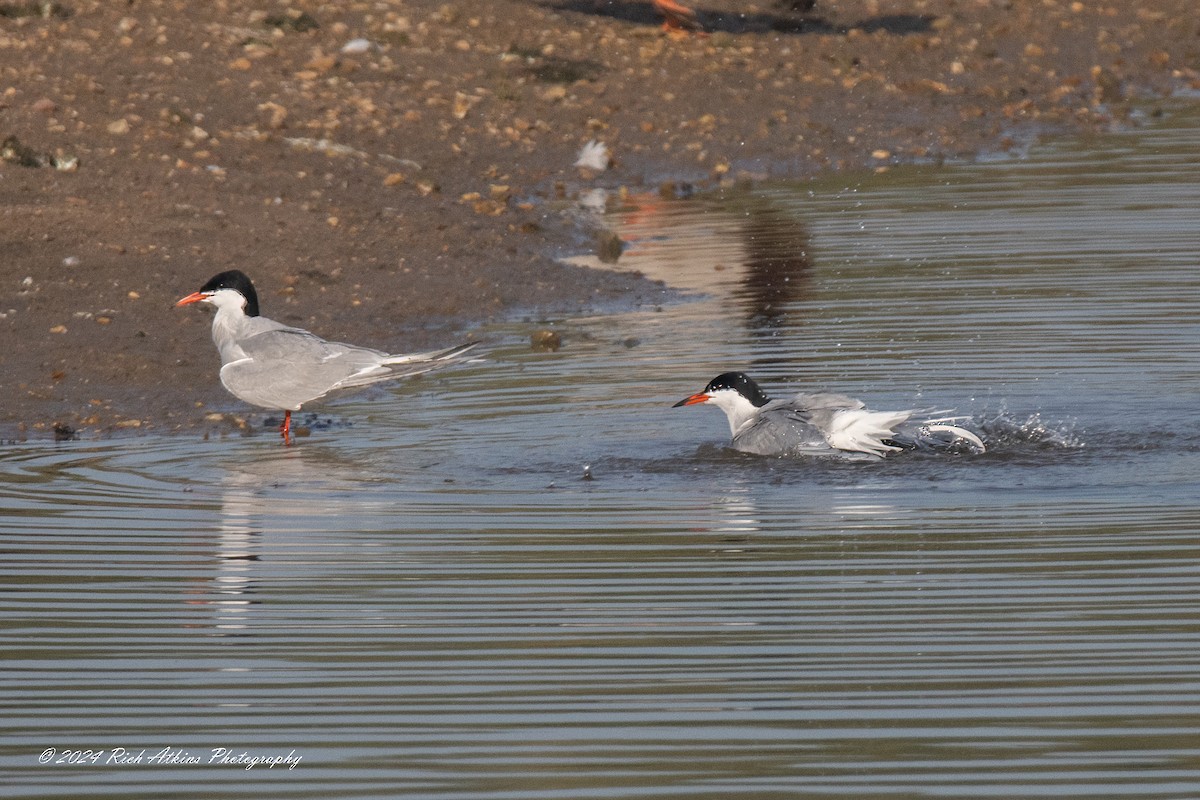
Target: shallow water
[[532, 578]]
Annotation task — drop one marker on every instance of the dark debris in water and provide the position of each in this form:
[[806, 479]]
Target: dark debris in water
[[301, 426], [545, 341], [43, 10], [14, 151], [301, 22], [557, 69], [609, 247]]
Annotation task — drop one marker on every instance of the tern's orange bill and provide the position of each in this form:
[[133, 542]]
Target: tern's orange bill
[[194, 297], [691, 401]]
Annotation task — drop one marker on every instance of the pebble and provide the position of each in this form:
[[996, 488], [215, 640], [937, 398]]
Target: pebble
[[321, 64]]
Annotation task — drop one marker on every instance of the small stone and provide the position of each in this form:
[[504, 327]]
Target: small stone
[[276, 114], [322, 63], [491, 208], [58, 329], [118, 127], [65, 163], [394, 179], [241, 64], [463, 103]]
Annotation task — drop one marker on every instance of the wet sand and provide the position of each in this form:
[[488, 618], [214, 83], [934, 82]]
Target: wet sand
[[394, 173]]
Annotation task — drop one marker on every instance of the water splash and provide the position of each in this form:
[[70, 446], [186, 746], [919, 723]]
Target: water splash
[[1005, 431]]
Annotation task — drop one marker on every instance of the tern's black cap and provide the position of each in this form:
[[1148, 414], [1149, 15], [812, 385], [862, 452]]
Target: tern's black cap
[[741, 383], [238, 281]]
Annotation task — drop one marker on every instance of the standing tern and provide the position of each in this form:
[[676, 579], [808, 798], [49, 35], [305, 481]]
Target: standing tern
[[824, 424], [269, 364]]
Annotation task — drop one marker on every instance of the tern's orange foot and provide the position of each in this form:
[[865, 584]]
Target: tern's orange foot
[[676, 16]]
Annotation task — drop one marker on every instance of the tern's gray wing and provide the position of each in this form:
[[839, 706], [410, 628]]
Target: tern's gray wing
[[286, 367], [822, 400], [782, 427], [817, 424]]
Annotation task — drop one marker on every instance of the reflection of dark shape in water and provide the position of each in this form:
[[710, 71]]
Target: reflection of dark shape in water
[[776, 267], [792, 17]]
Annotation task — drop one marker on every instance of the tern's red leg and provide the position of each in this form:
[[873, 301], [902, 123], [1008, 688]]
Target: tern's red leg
[[285, 430], [676, 16]]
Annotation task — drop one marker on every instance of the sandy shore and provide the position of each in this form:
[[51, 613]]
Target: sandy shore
[[390, 173]]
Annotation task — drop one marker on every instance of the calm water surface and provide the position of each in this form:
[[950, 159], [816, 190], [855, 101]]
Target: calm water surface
[[432, 600]]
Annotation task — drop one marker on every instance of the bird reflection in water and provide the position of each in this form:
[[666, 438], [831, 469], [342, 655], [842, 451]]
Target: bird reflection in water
[[776, 267], [746, 248]]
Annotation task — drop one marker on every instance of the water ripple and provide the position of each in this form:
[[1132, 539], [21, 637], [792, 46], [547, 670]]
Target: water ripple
[[533, 578]]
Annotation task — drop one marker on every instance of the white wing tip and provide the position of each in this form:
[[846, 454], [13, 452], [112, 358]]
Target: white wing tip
[[962, 433]]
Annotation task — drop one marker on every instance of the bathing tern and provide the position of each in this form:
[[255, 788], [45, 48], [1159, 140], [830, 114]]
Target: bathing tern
[[825, 424], [269, 364]]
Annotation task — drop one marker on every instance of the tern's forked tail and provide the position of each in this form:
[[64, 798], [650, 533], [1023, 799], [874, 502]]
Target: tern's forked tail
[[448, 354]]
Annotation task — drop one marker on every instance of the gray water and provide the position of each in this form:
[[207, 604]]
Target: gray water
[[430, 598]]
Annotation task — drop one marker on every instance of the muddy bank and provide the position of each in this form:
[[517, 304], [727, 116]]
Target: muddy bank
[[391, 173]]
